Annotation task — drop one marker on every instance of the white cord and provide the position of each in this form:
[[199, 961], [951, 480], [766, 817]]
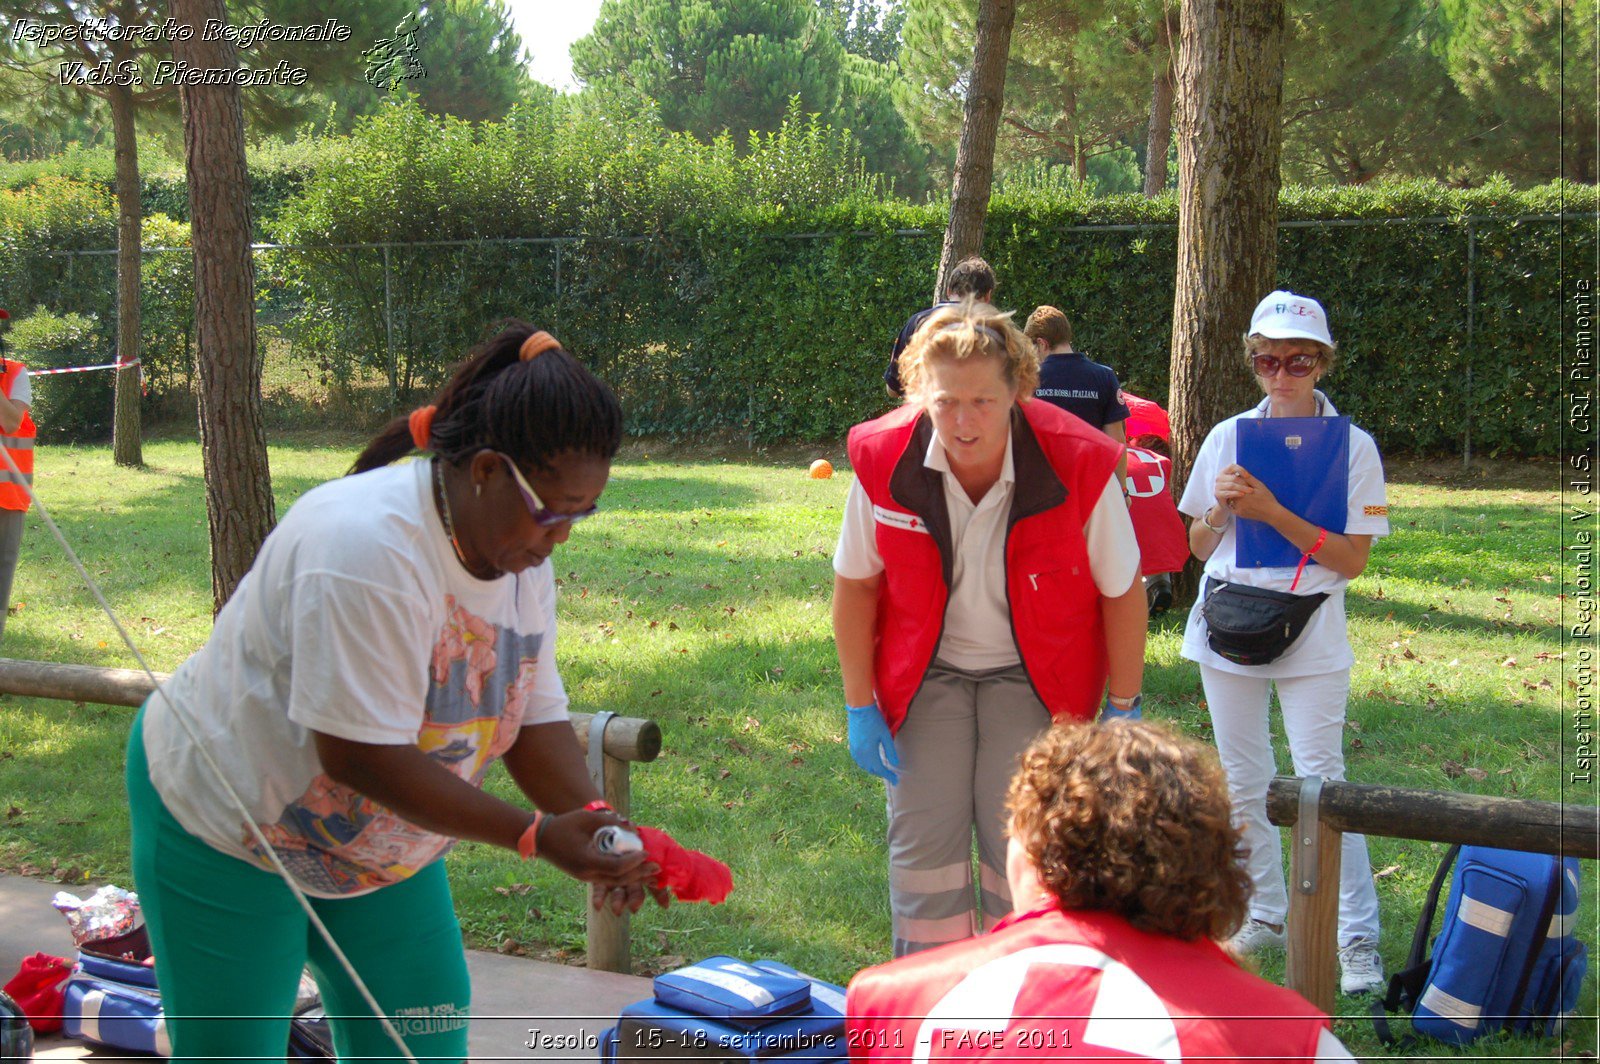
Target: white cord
[[233, 796]]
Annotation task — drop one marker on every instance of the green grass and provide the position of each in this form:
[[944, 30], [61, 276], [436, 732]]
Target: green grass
[[700, 600]]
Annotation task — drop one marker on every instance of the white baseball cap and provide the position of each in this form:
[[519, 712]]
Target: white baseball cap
[[1286, 316]]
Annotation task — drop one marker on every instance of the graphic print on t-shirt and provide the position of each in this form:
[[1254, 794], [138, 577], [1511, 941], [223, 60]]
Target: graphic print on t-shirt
[[480, 680]]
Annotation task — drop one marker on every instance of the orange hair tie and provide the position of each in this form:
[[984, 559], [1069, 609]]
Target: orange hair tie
[[421, 422], [536, 345]]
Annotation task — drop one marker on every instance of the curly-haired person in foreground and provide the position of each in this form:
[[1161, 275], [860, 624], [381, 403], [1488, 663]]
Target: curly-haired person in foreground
[[1124, 871]]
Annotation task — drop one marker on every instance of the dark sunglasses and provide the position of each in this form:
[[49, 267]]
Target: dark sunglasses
[[1295, 365], [542, 515]]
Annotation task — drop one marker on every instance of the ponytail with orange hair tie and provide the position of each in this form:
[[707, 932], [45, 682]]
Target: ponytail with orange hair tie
[[421, 422], [536, 344]]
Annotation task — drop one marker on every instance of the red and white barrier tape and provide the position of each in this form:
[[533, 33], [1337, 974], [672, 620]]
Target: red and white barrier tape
[[83, 369]]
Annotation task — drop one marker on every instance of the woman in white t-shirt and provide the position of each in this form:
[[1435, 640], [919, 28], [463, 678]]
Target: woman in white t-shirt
[[986, 582], [1289, 349], [394, 638]]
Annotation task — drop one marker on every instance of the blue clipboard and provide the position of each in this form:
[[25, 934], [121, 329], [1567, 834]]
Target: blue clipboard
[[1305, 462]]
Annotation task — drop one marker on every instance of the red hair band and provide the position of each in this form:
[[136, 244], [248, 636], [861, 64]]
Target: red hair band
[[536, 345], [421, 422]]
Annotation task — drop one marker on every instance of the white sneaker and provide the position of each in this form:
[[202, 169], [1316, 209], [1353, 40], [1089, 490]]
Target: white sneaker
[[1254, 936], [1360, 967]]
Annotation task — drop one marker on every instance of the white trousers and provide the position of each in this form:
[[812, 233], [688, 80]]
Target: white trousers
[[1313, 719]]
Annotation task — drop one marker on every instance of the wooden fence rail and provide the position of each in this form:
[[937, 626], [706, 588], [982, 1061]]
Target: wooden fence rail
[[1319, 812], [622, 741]]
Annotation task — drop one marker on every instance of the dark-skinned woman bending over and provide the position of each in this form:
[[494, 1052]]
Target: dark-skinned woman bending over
[[394, 638]]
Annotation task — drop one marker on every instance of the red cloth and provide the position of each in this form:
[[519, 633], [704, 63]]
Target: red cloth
[[689, 874], [1145, 418], [1163, 541], [36, 988], [1052, 985]]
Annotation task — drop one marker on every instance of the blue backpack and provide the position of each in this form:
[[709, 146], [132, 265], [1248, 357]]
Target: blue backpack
[[1505, 958]]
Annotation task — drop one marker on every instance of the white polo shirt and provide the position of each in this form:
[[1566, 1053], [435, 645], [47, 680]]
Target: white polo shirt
[[1324, 645], [977, 619]]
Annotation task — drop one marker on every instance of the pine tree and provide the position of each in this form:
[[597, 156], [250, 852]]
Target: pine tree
[[1531, 65]]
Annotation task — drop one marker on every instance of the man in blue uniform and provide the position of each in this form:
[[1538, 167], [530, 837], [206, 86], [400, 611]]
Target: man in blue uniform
[[969, 277], [1069, 380]]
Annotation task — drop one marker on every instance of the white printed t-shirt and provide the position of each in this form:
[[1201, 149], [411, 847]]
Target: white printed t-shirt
[[977, 617], [1324, 644], [356, 621]]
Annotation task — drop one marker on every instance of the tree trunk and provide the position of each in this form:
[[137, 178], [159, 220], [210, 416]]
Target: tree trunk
[[126, 448], [969, 196], [1158, 141], [232, 440], [1230, 95], [1230, 99]]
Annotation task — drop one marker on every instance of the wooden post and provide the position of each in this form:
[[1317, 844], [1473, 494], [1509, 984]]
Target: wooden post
[[608, 934], [610, 943], [1313, 901]]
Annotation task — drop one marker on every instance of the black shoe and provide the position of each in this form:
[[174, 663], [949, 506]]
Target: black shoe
[[1158, 592]]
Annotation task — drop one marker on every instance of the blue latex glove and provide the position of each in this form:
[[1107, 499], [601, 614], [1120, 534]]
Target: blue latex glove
[[1133, 712], [871, 745]]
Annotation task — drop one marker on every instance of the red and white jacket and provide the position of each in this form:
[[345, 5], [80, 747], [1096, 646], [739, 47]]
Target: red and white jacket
[[1061, 467], [1075, 985]]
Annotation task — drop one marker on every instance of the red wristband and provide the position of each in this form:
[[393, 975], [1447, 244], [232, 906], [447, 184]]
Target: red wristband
[[528, 844], [598, 804]]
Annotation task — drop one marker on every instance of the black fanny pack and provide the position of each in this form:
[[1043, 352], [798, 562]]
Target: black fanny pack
[[1252, 625]]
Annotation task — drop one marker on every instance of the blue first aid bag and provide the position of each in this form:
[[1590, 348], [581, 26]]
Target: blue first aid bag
[[111, 996], [674, 1025], [729, 989], [1505, 958]]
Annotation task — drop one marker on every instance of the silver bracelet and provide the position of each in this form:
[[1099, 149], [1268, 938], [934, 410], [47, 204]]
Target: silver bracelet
[[1215, 530]]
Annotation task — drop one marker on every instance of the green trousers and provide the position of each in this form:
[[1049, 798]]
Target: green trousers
[[230, 942]]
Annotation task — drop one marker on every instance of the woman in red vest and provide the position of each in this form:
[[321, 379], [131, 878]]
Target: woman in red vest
[[986, 582], [16, 436], [1121, 861]]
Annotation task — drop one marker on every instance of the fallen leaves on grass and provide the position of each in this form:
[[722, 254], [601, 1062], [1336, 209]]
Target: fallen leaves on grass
[[515, 888]]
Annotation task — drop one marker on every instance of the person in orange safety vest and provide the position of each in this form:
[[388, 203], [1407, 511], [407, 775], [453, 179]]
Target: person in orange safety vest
[[1123, 869], [16, 436]]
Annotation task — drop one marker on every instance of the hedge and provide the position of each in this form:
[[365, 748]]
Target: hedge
[[754, 289], [751, 326]]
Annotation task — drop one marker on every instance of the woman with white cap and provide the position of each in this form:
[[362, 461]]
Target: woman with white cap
[[1289, 348]]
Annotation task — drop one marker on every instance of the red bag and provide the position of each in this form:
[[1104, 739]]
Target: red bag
[[37, 989]]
